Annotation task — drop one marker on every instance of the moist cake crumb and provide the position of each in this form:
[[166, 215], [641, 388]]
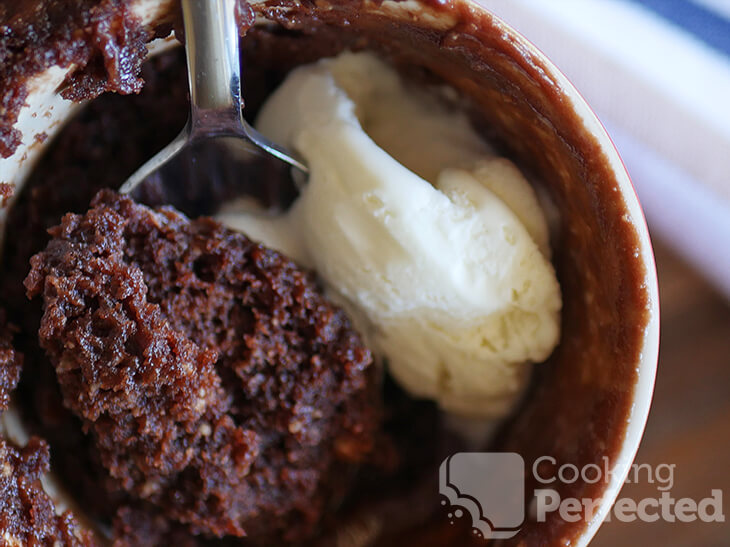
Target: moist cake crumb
[[215, 379], [27, 513], [11, 362]]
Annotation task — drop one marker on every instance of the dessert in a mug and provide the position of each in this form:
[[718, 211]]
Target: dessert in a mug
[[259, 380], [437, 246]]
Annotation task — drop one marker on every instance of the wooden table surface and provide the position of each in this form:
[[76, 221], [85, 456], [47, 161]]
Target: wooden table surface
[[689, 422]]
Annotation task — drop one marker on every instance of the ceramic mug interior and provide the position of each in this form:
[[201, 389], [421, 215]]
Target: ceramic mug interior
[[589, 401]]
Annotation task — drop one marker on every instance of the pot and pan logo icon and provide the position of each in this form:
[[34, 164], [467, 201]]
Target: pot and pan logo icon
[[490, 487]]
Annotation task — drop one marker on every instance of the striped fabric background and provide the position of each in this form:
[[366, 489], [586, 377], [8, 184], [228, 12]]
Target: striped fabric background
[[657, 73]]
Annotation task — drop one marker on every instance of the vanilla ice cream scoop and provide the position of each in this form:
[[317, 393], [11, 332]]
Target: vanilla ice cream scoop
[[438, 249]]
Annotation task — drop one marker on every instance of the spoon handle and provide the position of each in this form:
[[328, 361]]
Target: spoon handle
[[214, 73]]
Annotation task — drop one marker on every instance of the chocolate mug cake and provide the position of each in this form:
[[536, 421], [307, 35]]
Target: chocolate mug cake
[[365, 467]]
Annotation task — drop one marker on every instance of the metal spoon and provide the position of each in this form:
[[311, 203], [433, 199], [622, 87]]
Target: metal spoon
[[218, 156]]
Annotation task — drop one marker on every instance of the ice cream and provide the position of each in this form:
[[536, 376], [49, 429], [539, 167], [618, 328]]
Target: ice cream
[[437, 248]]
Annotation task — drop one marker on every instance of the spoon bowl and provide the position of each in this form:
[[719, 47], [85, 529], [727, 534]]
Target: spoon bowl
[[217, 156]]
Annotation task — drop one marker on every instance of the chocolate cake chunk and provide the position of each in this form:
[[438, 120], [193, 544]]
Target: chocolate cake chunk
[[27, 513], [145, 526], [11, 363], [215, 379], [101, 38]]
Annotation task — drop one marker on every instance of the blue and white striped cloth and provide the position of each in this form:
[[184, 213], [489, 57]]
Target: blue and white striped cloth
[[657, 74]]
